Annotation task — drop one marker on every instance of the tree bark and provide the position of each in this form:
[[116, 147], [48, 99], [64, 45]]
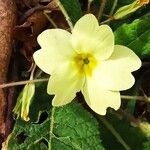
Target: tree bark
[[7, 22]]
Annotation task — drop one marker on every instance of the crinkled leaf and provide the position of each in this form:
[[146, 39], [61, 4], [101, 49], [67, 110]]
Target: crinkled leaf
[[74, 127], [136, 36]]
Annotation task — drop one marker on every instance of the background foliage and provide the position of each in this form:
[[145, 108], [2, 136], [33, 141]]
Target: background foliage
[[74, 126]]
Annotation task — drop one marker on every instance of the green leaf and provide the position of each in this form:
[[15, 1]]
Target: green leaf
[[41, 102], [146, 145], [132, 136], [136, 36], [73, 9], [69, 127]]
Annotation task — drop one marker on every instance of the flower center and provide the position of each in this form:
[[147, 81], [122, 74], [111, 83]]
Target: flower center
[[86, 60], [85, 63]]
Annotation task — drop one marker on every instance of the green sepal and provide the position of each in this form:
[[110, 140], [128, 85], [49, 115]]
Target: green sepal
[[24, 101]]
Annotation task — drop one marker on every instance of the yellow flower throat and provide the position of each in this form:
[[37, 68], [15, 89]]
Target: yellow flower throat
[[85, 63]]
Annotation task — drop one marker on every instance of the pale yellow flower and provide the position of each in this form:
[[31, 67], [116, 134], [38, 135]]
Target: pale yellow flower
[[88, 61]]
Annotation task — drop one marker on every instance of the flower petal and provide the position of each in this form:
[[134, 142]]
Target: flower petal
[[43, 61], [125, 58], [115, 73], [65, 83], [100, 99], [88, 36], [113, 78], [53, 53]]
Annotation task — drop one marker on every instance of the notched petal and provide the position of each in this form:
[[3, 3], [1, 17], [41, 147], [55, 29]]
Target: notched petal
[[50, 37], [42, 59], [124, 57], [99, 99], [64, 84], [83, 32]]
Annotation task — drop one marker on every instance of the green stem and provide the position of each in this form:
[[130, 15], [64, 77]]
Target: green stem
[[32, 72], [139, 98], [106, 21], [114, 132], [5, 85], [101, 9], [64, 13], [50, 19], [113, 7], [38, 73], [89, 5], [126, 115], [51, 129]]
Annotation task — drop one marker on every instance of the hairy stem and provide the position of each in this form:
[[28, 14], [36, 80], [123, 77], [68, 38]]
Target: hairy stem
[[32, 72], [51, 129], [106, 21], [139, 98], [5, 85], [89, 6], [50, 19], [64, 13], [126, 97], [113, 7]]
